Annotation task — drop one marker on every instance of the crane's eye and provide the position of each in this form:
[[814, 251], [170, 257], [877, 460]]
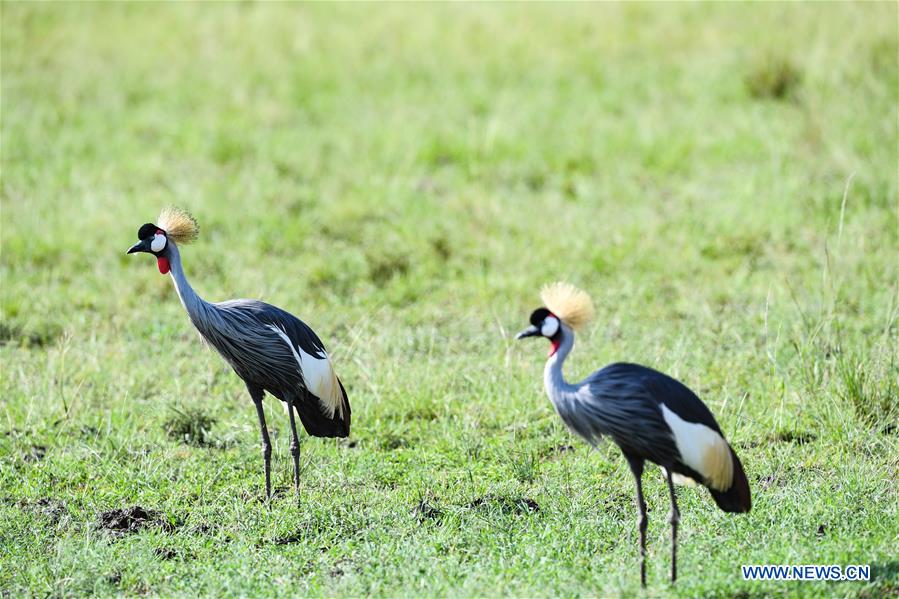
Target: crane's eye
[[158, 243], [550, 326]]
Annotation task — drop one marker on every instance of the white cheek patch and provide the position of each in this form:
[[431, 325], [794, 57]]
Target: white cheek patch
[[158, 243], [550, 326]]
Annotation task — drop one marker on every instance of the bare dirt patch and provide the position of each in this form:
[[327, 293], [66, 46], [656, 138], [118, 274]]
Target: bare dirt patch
[[132, 519]]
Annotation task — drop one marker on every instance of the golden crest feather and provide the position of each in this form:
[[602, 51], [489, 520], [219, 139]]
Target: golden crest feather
[[179, 225], [572, 305]]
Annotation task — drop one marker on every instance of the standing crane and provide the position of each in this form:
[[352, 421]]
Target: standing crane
[[649, 415], [270, 349]]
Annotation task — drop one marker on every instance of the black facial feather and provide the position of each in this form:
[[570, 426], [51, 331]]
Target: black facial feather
[[538, 316], [147, 230]]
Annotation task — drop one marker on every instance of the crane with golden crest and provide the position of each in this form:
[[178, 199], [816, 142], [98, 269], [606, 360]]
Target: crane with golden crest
[[270, 349], [649, 415]]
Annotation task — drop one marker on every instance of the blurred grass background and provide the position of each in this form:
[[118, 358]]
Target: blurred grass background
[[721, 177]]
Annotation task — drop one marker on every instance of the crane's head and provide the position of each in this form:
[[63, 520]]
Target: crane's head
[[566, 307], [175, 226]]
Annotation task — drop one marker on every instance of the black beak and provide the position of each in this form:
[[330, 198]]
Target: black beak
[[531, 331], [140, 246]]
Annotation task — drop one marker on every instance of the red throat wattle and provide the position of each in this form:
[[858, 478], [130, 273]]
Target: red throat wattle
[[163, 264], [556, 342]]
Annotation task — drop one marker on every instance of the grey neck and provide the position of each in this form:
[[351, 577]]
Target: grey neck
[[194, 304], [553, 379]]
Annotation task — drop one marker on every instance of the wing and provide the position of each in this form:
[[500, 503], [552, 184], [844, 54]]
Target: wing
[[255, 352], [298, 331], [297, 349], [616, 404], [280, 353], [653, 416], [662, 388]]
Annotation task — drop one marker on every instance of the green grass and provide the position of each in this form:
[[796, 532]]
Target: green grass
[[721, 177]]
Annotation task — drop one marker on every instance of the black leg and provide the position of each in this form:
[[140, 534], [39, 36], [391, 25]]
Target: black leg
[[256, 393], [636, 465], [294, 447], [673, 518]]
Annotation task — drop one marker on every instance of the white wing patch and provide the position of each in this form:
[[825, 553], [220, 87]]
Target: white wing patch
[[317, 374], [702, 449]]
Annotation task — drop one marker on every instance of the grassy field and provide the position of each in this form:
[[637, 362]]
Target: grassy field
[[722, 179]]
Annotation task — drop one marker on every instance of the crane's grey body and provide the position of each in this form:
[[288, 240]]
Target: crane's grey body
[[610, 402], [650, 416], [249, 335], [240, 330], [269, 348]]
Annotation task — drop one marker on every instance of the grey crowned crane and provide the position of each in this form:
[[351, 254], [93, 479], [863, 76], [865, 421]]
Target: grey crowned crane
[[270, 349], [649, 415]]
